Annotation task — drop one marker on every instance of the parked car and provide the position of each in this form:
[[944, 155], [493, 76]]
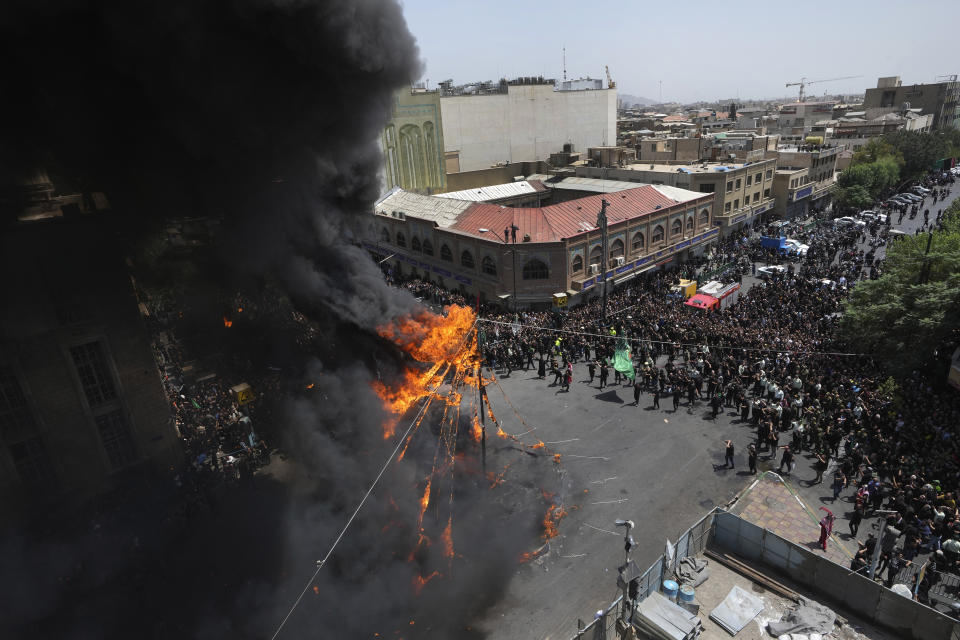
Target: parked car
[[847, 221], [771, 271], [912, 197], [922, 191], [797, 247], [871, 216]]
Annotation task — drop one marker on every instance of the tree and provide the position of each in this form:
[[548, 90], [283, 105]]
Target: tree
[[875, 149], [919, 150], [855, 196], [912, 312]]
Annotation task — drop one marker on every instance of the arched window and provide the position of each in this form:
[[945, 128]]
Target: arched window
[[705, 216], [638, 242], [445, 253], [384, 235], [401, 240], [596, 255], [415, 244], [676, 227], [488, 266], [466, 259], [427, 248], [535, 270], [616, 250], [657, 234], [690, 223], [577, 265]]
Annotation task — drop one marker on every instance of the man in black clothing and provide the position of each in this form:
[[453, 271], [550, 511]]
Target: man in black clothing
[[786, 459], [592, 369], [677, 394], [656, 398], [636, 392], [752, 459], [728, 458], [604, 374]]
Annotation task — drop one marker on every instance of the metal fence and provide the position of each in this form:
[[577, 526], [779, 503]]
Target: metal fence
[[693, 541]]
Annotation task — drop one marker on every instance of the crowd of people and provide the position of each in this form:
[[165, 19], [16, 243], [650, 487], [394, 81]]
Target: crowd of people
[[776, 357]]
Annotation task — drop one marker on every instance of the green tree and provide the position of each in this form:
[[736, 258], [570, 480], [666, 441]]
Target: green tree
[[875, 149], [913, 310], [919, 150]]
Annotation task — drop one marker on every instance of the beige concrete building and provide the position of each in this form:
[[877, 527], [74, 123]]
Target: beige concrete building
[[412, 143], [526, 255], [804, 180], [741, 191], [939, 99]]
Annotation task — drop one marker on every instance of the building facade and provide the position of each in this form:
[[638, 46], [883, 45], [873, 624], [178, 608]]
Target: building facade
[[741, 191], [523, 120], [524, 256], [940, 99], [804, 180], [82, 407], [412, 143]]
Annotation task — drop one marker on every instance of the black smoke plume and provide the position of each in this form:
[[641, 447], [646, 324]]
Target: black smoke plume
[[264, 113]]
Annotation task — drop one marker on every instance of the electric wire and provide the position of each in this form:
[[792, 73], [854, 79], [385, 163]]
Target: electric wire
[[383, 469], [668, 342]]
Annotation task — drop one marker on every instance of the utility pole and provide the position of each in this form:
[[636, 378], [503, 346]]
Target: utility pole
[[483, 421], [602, 223]]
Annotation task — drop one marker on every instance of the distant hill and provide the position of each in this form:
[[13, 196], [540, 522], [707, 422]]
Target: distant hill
[[629, 99]]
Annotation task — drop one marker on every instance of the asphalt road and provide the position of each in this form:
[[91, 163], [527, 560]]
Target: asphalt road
[[660, 468]]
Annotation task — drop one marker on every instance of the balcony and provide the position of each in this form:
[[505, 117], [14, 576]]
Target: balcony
[[744, 213]]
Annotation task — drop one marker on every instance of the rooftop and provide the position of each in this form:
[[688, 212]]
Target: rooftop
[[495, 192], [699, 167], [441, 211]]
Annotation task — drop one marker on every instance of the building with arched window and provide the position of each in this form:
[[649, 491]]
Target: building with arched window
[[412, 143], [525, 256]]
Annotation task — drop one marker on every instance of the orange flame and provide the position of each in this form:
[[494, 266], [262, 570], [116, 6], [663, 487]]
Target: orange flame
[[420, 581], [310, 386], [425, 500], [556, 457], [539, 445], [429, 338], [447, 539], [316, 590], [476, 432], [551, 521], [227, 323]]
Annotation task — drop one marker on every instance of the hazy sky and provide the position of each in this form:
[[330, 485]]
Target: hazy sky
[[700, 50]]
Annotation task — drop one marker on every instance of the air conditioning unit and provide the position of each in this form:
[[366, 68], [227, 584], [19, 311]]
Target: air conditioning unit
[[594, 269], [620, 261]]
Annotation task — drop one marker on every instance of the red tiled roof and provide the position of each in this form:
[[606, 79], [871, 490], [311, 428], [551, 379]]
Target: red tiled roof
[[563, 220], [676, 118]]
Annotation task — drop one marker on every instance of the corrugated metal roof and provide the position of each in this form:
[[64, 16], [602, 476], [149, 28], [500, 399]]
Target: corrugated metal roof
[[493, 192], [599, 185], [565, 219], [442, 211]]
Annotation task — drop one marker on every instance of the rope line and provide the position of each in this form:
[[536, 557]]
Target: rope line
[[681, 344], [383, 469]]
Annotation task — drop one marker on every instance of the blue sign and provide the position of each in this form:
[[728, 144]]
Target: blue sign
[[625, 267], [803, 193], [442, 272], [463, 279]]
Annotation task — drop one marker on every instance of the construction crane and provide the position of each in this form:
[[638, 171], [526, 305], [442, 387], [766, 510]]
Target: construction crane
[[610, 83], [803, 83]]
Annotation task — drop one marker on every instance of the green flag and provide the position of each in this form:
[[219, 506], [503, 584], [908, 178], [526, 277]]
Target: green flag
[[622, 361]]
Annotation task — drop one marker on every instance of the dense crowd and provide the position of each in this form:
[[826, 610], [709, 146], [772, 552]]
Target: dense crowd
[[776, 358]]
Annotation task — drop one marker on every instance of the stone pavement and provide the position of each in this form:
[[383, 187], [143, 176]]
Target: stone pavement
[[772, 504]]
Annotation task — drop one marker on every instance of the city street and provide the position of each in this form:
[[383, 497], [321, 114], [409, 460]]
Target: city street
[[660, 468]]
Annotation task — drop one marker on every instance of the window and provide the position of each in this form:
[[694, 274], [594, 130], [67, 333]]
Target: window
[[535, 270], [746, 200], [749, 180], [445, 253], [384, 235], [466, 259], [616, 250], [726, 207], [116, 439], [738, 183], [705, 216], [596, 255], [415, 244], [488, 266], [766, 193], [91, 364], [15, 415], [758, 177], [427, 248], [690, 223], [33, 463], [769, 173], [756, 197], [401, 240], [676, 227], [736, 203], [657, 234], [730, 186], [577, 265], [638, 242]]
